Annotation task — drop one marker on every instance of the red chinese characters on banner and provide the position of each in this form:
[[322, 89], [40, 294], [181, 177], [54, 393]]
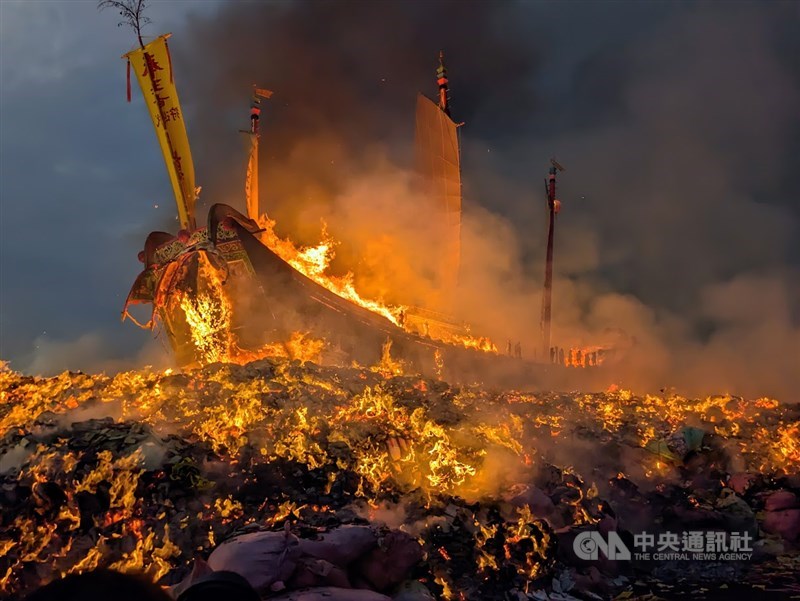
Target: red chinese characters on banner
[[162, 100], [176, 158]]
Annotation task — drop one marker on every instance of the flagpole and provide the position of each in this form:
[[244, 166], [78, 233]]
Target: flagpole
[[547, 294]]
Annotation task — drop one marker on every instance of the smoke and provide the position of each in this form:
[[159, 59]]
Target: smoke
[[678, 125], [94, 352], [699, 236], [345, 81]]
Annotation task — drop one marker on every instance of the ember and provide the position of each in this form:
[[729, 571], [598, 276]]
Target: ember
[[146, 471]]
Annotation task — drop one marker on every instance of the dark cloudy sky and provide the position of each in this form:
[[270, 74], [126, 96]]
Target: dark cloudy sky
[[679, 123], [81, 173]]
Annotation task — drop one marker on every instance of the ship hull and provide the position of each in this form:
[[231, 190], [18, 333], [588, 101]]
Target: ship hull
[[271, 300]]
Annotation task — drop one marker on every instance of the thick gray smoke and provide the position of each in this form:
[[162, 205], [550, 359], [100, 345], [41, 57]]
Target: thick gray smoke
[[345, 76], [678, 124]]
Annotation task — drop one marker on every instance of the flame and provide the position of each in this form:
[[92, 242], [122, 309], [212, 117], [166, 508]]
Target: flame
[[392, 435], [300, 346], [208, 310], [585, 356], [438, 361], [227, 509], [209, 320], [473, 342], [526, 530], [38, 542], [285, 509], [447, 592], [314, 261], [208, 314], [388, 366]]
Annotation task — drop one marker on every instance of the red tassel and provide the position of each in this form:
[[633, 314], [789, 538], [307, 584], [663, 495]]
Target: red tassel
[[169, 60], [129, 80]]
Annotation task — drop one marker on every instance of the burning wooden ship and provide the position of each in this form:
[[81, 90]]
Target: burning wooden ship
[[361, 483], [233, 291]]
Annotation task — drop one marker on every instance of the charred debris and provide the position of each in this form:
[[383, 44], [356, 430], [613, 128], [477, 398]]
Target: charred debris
[[411, 487]]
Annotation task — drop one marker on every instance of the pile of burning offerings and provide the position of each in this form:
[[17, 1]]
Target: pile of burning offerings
[[403, 487]]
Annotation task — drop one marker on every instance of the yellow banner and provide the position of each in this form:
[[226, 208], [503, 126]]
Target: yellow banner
[[153, 69]]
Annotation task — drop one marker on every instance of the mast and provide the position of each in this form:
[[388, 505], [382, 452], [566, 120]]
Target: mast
[[251, 183], [438, 162], [553, 207], [453, 213]]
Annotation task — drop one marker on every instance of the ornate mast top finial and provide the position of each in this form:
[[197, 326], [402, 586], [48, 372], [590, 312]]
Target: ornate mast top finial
[[441, 79]]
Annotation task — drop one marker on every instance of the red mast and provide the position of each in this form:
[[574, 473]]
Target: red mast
[[553, 207]]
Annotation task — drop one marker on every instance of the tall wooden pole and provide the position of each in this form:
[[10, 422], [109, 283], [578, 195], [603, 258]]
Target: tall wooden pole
[[251, 185], [547, 295], [255, 112]]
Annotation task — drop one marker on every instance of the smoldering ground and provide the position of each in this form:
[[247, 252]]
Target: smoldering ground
[[677, 124]]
